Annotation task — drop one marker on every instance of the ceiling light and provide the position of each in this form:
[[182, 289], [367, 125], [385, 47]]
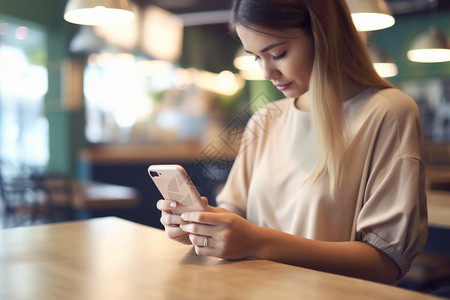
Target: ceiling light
[[86, 41], [370, 15], [125, 35], [383, 63], [98, 12], [386, 70], [430, 47]]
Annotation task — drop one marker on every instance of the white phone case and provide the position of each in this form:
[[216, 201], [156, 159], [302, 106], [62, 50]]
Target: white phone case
[[174, 184]]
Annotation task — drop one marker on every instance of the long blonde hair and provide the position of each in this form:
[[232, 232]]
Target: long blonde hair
[[340, 56]]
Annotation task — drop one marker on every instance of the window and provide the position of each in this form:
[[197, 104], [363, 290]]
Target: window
[[23, 85]]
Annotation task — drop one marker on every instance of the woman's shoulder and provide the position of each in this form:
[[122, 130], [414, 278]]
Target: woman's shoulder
[[394, 98], [392, 114], [392, 102]]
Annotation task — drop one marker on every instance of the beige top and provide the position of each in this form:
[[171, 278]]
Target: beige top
[[382, 199]]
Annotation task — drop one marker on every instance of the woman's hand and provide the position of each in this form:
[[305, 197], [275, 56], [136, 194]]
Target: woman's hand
[[172, 222], [228, 235]]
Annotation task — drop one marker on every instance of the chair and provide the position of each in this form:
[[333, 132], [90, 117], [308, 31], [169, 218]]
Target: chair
[[21, 202], [58, 188], [36, 199]]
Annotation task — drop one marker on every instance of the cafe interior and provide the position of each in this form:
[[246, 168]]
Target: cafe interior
[[89, 102]]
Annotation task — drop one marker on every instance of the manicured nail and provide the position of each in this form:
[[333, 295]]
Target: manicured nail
[[173, 204], [183, 216]]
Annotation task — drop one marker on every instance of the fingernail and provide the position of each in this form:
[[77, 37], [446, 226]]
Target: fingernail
[[182, 216], [173, 204]]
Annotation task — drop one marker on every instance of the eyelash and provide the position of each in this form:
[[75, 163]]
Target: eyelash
[[275, 58]]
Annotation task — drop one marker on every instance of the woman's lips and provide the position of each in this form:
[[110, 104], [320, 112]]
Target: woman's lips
[[283, 87]]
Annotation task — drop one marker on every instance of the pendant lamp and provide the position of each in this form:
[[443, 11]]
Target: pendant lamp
[[383, 63], [432, 46], [370, 15], [86, 41], [98, 12]]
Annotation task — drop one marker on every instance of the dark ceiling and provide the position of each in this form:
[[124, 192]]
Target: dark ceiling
[[187, 6], [399, 7]]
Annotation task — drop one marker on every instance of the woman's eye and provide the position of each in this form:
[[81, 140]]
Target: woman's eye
[[278, 57]]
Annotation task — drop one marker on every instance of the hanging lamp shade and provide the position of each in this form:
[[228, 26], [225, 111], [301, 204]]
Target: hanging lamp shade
[[370, 15], [98, 12], [86, 41], [383, 63], [432, 46]]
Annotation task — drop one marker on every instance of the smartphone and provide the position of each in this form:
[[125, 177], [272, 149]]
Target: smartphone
[[174, 184]]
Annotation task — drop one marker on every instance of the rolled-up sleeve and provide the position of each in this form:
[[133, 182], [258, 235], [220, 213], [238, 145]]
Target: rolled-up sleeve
[[394, 217]]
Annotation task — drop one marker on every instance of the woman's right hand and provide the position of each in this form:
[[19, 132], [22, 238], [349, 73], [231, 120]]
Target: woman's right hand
[[172, 222]]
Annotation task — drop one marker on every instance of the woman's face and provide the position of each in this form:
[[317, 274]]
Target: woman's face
[[285, 56]]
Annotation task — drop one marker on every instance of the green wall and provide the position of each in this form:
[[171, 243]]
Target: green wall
[[396, 41], [39, 11]]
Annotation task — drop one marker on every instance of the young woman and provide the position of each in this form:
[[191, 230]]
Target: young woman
[[335, 181]]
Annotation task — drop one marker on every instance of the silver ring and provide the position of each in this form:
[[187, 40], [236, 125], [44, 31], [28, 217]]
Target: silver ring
[[205, 243]]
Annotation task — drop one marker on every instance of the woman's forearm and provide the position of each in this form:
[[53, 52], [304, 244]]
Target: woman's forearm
[[355, 259], [233, 237]]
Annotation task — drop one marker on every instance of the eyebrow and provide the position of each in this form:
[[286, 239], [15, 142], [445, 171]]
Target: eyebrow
[[267, 48]]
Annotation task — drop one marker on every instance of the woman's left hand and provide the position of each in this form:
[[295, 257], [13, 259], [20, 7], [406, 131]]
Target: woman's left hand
[[221, 233]]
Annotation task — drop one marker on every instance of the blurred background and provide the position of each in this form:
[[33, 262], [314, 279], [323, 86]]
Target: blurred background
[[85, 109], [102, 102]]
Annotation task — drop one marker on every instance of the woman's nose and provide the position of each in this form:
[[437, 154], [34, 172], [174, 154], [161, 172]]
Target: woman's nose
[[269, 70]]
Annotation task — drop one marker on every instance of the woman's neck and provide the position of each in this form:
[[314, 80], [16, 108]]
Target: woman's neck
[[351, 89]]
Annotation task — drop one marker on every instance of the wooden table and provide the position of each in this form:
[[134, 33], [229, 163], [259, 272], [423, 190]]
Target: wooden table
[[438, 199], [86, 195], [438, 208], [110, 258], [99, 195]]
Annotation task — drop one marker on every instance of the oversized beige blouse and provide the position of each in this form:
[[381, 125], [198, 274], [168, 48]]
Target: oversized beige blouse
[[381, 200]]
